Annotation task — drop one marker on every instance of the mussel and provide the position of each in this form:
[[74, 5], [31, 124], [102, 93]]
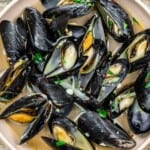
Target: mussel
[[63, 58], [38, 30], [114, 76], [62, 101], [65, 130], [58, 145], [139, 120], [135, 48], [14, 78], [38, 123], [25, 109], [71, 10], [14, 37], [116, 19], [93, 46], [122, 101], [142, 89], [103, 131]]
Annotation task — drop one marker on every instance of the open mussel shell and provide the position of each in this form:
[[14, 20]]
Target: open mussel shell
[[115, 18], [24, 109], [139, 120], [65, 130], [38, 123], [93, 46], [61, 100], [63, 58], [114, 76], [58, 145], [98, 77], [38, 30], [13, 79], [121, 102], [142, 89], [14, 37], [71, 10], [135, 48], [103, 131]]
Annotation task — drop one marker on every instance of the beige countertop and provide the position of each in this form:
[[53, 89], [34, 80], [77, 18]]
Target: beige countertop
[[3, 4]]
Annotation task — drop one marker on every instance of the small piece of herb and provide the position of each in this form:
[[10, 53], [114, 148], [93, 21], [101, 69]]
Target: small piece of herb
[[125, 25], [110, 23], [110, 73], [147, 76], [102, 113], [60, 143], [147, 86], [135, 20], [5, 96], [37, 58], [59, 32], [58, 81], [83, 2]]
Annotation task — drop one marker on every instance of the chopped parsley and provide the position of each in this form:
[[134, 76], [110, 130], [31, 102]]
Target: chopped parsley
[[60, 143], [125, 25], [84, 2], [110, 73], [110, 23], [135, 20], [147, 85], [102, 113], [37, 58], [58, 81]]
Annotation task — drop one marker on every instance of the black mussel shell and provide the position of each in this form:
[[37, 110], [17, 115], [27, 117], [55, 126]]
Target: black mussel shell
[[38, 123], [103, 131], [142, 89], [14, 37], [135, 48], [115, 18], [119, 103], [38, 30], [62, 101], [49, 3], [139, 120], [114, 76], [65, 130], [71, 10], [14, 78]]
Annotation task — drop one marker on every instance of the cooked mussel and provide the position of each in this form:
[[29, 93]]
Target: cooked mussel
[[71, 10], [38, 30], [103, 131], [136, 47], [38, 123], [62, 101], [24, 109], [13, 79], [63, 58], [65, 130], [58, 145], [14, 37], [119, 103], [114, 76], [142, 89], [93, 46], [116, 19], [139, 120]]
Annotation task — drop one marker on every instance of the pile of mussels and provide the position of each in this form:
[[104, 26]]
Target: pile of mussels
[[64, 63]]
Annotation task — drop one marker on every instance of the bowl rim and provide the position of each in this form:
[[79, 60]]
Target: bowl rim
[[12, 3]]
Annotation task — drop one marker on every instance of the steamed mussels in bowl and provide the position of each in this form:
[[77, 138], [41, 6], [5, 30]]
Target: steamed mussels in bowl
[[61, 63]]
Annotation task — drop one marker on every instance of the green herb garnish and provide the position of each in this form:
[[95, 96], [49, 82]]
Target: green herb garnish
[[135, 20], [147, 76], [58, 81], [60, 143], [147, 85], [37, 58], [102, 113], [110, 73], [83, 2], [125, 25], [110, 23]]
